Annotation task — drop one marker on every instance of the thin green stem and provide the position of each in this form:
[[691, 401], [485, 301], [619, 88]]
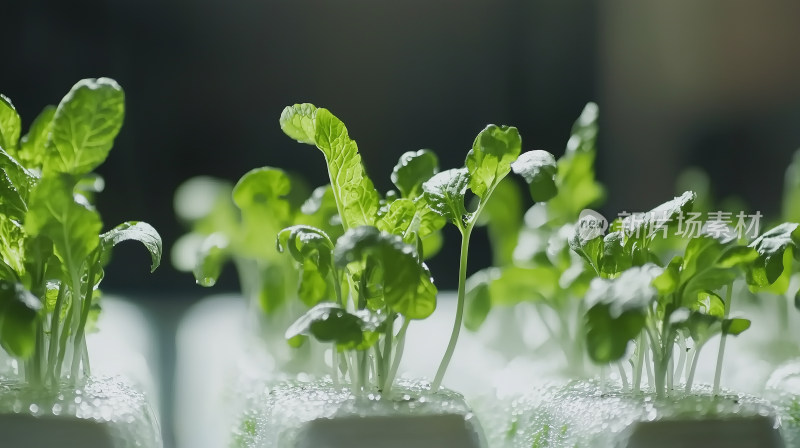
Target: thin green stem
[[670, 371], [87, 369], [678, 370], [63, 338], [378, 365], [462, 280], [722, 339], [579, 338], [648, 366], [337, 286], [55, 320], [398, 355], [623, 376], [637, 371], [86, 306], [603, 379], [386, 361], [693, 368], [352, 372], [33, 367], [335, 366]]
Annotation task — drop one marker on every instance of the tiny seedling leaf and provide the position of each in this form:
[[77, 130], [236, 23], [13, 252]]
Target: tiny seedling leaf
[[771, 246], [10, 125], [445, 192], [85, 125], [489, 160], [298, 122], [136, 231], [538, 168], [412, 170]]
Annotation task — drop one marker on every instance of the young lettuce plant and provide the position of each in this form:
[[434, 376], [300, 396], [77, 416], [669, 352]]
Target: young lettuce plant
[[495, 151], [532, 261], [238, 224], [52, 253], [637, 299], [373, 274]]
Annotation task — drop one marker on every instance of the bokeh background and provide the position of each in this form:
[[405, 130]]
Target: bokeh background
[[680, 83]]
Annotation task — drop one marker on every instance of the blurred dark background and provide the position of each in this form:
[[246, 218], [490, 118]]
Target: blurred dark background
[[679, 83]]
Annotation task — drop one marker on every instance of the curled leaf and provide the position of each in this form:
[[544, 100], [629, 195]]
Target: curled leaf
[[136, 231]]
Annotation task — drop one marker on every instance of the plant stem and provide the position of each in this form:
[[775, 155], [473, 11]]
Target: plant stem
[[335, 365], [462, 280], [722, 338], [603, 379], [337, 286], [351, 370], [386, 361], [80, 336], [33, 370], [637, 371], [53, 340], [398, 355], [579, 339], [670, 367], [681, 358], [362, 370], [622, 376], [650, 378], [62, 340], [378, 365], [690, 378]]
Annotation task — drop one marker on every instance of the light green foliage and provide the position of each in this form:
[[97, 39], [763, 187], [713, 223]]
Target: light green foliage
[[312, 250], [656, 306], [502, 216], [414, 168], [771, 246], [329, 322], [355, 195], [538, 168], [298, 122], [19, 312], [445, 192], [52, 250], [239, 223], [10, 124], [493, 152], [134, 231], [575, 179], [391, 265], [73, 228], [617, 311], [84, 126], [533, 261], [489, 161], [32, 151], [260, 196], [15, 184], [378, 260], [646, 228]]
